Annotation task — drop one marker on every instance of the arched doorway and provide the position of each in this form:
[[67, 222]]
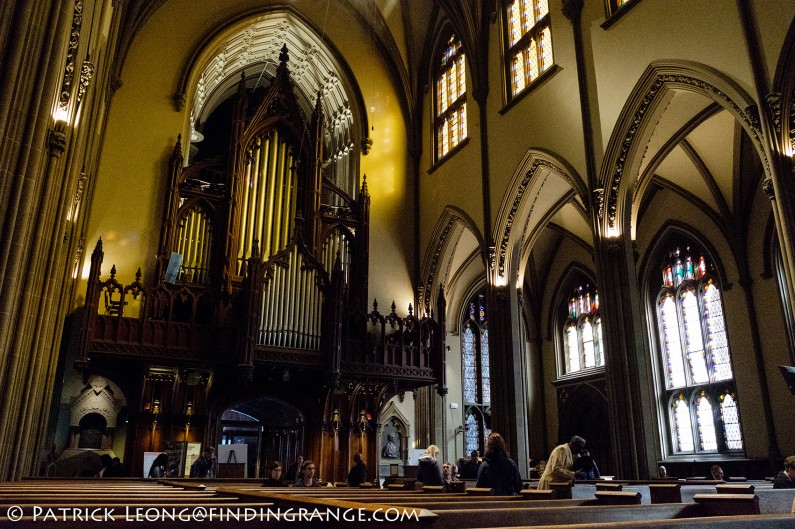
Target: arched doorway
[[272, 430], [584, 413]]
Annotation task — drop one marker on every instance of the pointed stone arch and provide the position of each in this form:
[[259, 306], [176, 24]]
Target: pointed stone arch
[[520, 202], [441, 249], [393, 421], [618, 182]]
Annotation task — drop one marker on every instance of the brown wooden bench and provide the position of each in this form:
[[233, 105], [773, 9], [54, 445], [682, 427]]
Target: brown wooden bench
[[617, 497], [665, 493], [728, 504], [617, 487], [735, 489]]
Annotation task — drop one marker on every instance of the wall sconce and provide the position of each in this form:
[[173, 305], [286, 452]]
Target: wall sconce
[[188, 415], [362, 424], [333, 426], [155, 413]]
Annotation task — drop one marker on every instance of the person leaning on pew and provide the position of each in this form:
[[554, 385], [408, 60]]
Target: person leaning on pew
[[560, 462], [498, 471], [786, 478]]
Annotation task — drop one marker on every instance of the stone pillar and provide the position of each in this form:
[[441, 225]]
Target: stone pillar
[[631, 401], [32, 197]]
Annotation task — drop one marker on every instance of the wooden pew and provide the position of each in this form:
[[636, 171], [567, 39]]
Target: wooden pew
[[735, 489], [617, 487], [728, 504], [615, 497], [665, 493]]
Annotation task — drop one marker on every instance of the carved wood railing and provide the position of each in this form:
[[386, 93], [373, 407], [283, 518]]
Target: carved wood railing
[[187, 323]]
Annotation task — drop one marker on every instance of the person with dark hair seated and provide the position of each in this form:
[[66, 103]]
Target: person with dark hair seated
[[358, 473], [308, 475], [469, 470], [716, 472], [786, 478], [498, 471], [275, 479]]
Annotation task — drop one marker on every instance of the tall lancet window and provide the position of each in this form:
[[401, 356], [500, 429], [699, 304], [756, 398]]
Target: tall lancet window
[[583, 347], [451, 98], [476, 378], [698, 379]]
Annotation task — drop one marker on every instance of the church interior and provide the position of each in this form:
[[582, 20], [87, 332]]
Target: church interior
[[338, 227]]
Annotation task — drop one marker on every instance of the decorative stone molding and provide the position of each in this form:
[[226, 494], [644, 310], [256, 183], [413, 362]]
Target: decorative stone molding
[[599, 200], [86, 73], [767, 187], [774, 100], [81, 184], [115, 84], [179, 100], [56, 140], [517, 202], [71, 56], [367, 143], [425, 293]]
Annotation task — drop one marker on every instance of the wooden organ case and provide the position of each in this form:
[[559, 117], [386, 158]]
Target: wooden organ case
[[269, 299]]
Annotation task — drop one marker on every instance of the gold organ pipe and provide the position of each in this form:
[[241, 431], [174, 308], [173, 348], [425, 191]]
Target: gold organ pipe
[[205, 256], [278, 200], [305, 306], [290, 199], [189, 260], [272, 305], [254, 182], [268, 246], [190, 236], [294, 297], [265, 312], [282, 295], [289, 300], [262, 188], [200, 263], [241, 250]]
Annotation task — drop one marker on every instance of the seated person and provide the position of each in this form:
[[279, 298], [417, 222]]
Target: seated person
[[716, 472], [429, 472], [358, 473], [275, 479], [308, 475], [469, 470], [447, 474], [662, 472], [786, 478], [587, 465], [498, 471]]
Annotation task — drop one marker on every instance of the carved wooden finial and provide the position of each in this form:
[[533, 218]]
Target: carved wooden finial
[[394, 307], [375, 305], [411, 310], [364, 184], [113, 272], [138, 275], [283, 55]]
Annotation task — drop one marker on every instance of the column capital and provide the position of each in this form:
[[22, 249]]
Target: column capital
[[572, 9], [56, 139]]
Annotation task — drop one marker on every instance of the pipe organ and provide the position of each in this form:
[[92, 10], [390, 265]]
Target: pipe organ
[[274, 238]]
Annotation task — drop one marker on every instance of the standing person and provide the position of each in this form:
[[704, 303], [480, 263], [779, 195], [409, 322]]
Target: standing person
[[275, 479], [786, 478], [307, 475], [498, 471], [587, 464], [558, 467], [469, 470], [430, 473], [358, 473], [204, 467], [294, 470]]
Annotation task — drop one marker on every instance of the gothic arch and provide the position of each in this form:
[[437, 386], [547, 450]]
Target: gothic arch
[[441, 249], [393, 421], [519, 204], [636, 123]]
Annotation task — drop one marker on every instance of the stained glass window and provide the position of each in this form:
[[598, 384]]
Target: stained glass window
[[616, 5], [451, 121], [695, 356], [582, 331], [684, 429], [731, 422], [476, 376], [529, 42]]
